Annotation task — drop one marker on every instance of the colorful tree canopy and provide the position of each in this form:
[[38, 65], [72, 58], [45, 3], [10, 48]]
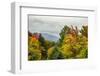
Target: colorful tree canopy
[[72, 44]]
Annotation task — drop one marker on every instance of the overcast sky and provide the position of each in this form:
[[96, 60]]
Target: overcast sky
[[53, 24]]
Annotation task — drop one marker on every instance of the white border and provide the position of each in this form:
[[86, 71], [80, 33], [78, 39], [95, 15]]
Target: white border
[[19, 64]]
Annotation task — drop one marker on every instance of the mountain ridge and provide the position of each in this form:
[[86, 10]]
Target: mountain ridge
[[50, 37]]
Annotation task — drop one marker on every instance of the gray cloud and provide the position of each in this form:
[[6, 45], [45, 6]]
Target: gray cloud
[[53, 24]]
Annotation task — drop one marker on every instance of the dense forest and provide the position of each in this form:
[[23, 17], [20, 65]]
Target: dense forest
[[72, 44]]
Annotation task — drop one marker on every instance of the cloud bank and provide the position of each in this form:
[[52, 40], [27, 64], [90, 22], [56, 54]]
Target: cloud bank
[[52, 24]]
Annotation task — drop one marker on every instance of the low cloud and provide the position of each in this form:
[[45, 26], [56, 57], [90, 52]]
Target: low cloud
[[54, 24]]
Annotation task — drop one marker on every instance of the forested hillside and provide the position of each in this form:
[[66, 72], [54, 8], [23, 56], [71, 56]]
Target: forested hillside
[[72, 44]]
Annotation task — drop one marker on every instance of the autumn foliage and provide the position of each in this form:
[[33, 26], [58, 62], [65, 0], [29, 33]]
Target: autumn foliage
[[72, 44]]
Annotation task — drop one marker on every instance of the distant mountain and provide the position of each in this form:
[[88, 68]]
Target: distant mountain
[[50, 37]]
